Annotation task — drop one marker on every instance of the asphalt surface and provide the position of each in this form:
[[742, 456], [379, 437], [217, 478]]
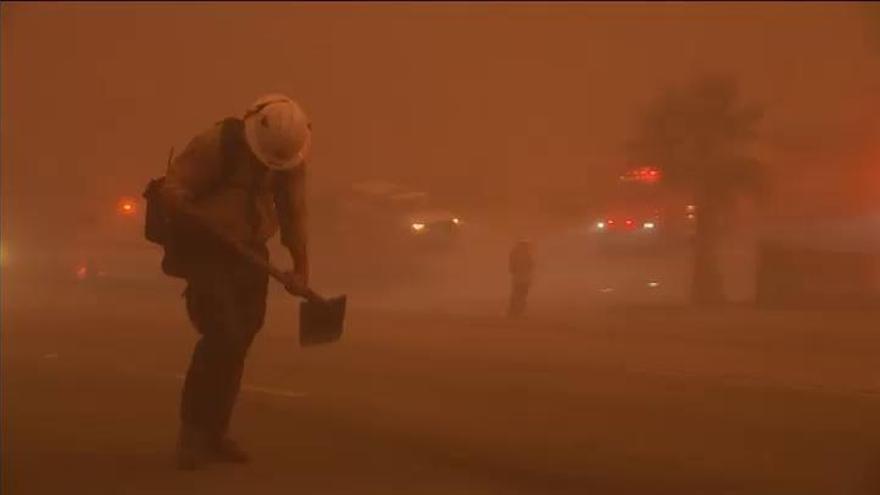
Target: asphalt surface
[[585, 400]]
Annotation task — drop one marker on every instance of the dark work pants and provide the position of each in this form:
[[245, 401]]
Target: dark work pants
[[226, 302], [519, 292]]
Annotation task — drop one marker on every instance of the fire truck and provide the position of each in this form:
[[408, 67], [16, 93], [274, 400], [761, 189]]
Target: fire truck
[[641, 214]]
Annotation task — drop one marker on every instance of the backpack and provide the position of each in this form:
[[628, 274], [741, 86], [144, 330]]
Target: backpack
[[178, 241]]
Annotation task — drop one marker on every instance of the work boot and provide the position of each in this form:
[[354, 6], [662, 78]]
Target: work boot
[[226, 450], [191, 451]]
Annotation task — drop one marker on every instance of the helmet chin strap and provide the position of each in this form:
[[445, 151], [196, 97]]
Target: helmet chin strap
[[301, 155], [300, 161]]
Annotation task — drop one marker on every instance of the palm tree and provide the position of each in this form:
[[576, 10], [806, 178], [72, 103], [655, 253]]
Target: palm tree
[[700, 136]]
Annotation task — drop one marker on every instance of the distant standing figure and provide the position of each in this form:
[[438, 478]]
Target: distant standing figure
[[521, 266]]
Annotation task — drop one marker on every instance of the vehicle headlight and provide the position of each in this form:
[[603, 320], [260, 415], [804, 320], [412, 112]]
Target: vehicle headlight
[[648, 225], [456, 221], [418, 227], [600, 225]]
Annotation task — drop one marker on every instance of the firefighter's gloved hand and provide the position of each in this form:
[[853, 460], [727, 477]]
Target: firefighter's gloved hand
[[296, 284]]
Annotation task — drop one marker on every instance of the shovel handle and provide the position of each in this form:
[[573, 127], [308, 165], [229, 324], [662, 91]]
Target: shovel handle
[[246, 253], [273, 271]]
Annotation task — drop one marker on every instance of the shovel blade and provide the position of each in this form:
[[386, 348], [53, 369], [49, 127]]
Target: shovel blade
[[321, 321]]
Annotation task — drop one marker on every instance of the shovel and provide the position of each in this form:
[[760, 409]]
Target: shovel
[[321, 320]]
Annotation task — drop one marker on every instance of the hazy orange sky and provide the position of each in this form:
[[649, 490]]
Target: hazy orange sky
[[483, 104]]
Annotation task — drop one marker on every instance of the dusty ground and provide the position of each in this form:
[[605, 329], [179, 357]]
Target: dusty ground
[[590, 400]]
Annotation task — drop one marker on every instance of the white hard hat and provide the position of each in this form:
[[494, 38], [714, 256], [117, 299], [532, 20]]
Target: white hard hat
[[278, 131]]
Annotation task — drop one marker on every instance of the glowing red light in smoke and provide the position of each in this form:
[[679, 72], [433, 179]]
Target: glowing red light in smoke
[[643, 174], [127, 206]]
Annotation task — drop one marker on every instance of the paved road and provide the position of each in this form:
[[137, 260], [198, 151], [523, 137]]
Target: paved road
[[605, 401]]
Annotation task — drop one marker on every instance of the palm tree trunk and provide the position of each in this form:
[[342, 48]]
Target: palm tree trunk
[[706, 282]]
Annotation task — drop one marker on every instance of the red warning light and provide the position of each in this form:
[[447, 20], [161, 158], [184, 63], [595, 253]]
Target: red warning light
[[127, 206], [643, 174]]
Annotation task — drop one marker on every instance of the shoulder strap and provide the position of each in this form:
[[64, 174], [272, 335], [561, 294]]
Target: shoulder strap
[[231, 140], [232, 149]]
